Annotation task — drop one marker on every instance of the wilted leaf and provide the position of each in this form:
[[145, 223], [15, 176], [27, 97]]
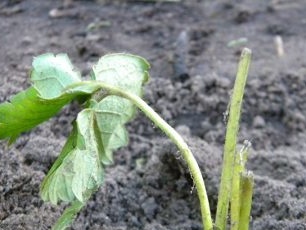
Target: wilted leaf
[[78, 171], [51, 74], [55, 84], [128, 73]]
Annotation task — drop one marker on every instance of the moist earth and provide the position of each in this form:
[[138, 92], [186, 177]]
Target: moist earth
[[193, 47]]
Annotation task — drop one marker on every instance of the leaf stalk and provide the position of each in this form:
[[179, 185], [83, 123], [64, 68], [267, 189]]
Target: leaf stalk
[[177, 140]]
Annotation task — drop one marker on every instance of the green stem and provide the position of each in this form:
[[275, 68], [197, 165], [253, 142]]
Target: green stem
[[239, 167], [231, 139], [235, 200], [180, 143], [68, 216], [247, 184]]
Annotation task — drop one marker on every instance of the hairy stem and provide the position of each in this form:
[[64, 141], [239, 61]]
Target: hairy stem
[[231, 139], [175, 137]]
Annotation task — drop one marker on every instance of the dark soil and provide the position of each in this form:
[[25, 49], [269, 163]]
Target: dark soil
[[193, 70]]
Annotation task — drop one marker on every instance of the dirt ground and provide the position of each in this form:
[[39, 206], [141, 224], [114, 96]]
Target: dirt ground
[[190, 47]]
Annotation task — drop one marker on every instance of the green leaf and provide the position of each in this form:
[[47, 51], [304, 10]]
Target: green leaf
[[68, 216], [55, 84], [25, 111]]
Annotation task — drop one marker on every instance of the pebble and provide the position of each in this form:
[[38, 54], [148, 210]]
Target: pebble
[[27, 41], [149, 207], [259, 122], [61, 13]]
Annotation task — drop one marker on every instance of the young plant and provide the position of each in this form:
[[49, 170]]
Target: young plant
[[109, 101]]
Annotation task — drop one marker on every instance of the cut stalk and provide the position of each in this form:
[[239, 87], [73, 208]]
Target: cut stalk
[[239, 168], [231, 140], [247, 184]]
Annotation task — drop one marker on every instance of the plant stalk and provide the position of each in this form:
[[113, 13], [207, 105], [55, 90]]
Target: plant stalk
[[247, 184], [177, 140], [231, 140], [239, 168]]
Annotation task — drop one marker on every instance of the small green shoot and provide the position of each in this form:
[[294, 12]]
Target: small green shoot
[[247, 184], [110, 99], [239, 169], [230, 151]]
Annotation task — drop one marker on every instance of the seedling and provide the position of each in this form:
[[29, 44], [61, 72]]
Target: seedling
[[109, 101]]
